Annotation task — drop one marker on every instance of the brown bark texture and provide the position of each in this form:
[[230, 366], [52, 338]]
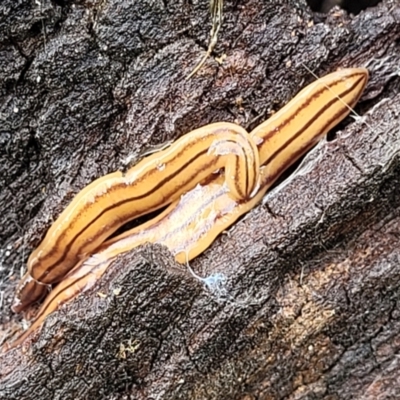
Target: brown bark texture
[[306, 304]]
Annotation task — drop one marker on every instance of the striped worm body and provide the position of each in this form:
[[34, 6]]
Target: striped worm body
[[109, 202], [81, 278], [190, 224], [186, 227], [298, 126]]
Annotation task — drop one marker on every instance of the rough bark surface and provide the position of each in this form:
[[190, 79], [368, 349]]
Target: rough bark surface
[[307, 304]]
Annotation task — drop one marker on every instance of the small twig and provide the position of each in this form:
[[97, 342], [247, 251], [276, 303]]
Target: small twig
[[216, 7]]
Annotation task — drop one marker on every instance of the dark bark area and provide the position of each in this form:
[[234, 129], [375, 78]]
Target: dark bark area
[[307, 307]]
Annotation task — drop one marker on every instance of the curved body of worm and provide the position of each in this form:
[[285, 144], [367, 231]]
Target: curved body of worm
[[190, 224], [111, 201]]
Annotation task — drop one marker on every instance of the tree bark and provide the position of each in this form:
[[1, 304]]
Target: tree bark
[[306, 304]]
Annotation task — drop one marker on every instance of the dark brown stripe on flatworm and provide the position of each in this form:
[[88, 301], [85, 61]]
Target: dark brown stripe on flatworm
[[312, 120], [295, 156], [304, 105]]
